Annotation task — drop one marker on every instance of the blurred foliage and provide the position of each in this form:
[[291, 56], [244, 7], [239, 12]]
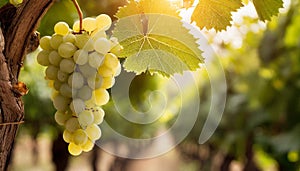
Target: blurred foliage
[[39, 111]]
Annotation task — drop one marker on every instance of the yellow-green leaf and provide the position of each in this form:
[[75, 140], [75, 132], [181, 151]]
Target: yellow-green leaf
[[267, 8], [215, 13], [154, 41]]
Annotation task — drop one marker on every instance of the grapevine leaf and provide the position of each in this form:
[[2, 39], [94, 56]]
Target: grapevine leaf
[[215, 13], [267, 8], [154, 41]]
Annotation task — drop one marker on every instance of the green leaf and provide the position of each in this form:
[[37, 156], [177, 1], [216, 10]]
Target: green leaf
[[154, 41], [267, 8], [215, 13]]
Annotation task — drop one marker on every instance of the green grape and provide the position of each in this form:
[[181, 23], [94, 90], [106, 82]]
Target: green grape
[[79, 137], [67, 136], [89, 24], [88, 146], [87, 71], [102, 45], [57, 84], [61, 117], [56, 40], [51, 72], [69, 38], [103, 21], [108, 82], [61, 28], [98, 115], [93, 132], [118, 70], [72, 124], [89, 46], [15, 2], [81, 57], [74, 149], [81, 40], [61, 103], [65, 90], [77, 106], [45, 43], [95, 82], [43, 58], [76, 80], [105, 71], [98, 34], [95, 59], [67, 65], [66, 50], [62, 76], [85, 93], [54, 58], [111, 61], [85, 118], [76, 26], [101, 96]]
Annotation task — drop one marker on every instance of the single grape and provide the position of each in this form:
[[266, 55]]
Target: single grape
[[88, 146], [62, 76], [102, 45], [95, 82], [95, 59], [111, 61], [85, 118], [77, 106], [101, 96], [81, 57], [67, 136], [76, 26], [98, 115], [57, 84], [43, 58], [87, 71], [61, 117], [45, 43], [61, 103], [108, 82], [105, 71], [66, 50], [67, 65], [89, 24], [15, 2], [56, 40], [54, 58], [74, 149], [85, 93], [69, 38], [72, 124], [81, 40], [61, 28], [103, 21], [51, 72], [76, 80], [66, 90], [93, 132], [79, 137]]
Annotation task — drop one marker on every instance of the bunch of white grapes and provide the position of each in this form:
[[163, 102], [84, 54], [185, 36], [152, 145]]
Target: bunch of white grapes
[[81, 66]]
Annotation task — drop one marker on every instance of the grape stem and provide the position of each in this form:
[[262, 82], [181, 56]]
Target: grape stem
[[79, 14]]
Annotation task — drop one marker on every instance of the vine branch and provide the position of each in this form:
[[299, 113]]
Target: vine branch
[[80, 15]]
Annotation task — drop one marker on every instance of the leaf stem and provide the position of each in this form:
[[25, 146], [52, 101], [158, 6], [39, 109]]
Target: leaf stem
[[79, 14]]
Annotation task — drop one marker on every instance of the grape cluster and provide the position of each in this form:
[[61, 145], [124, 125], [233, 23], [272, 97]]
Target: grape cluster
[[81, 66]]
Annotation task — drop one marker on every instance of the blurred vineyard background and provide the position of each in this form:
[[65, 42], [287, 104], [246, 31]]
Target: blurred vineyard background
[[260, 127]]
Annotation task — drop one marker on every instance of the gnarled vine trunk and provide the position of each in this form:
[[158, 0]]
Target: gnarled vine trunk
[[17, 38]]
